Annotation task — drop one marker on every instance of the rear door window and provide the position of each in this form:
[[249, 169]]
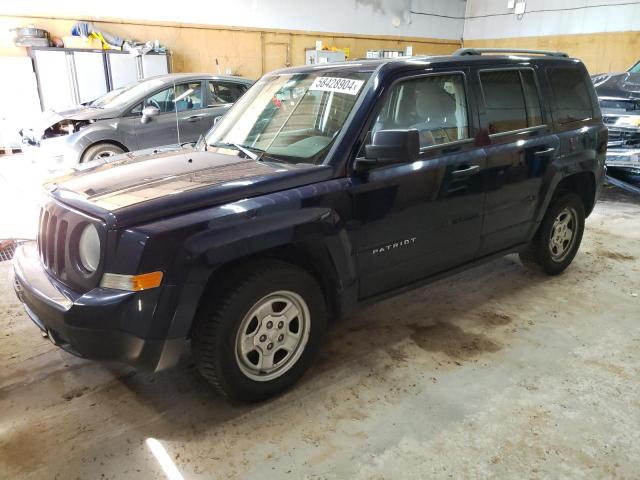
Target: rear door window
[[511, 100], [571, 95], [531, 98], [225, 92]]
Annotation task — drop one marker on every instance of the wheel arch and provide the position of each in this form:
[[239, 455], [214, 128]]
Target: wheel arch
[[583, 184], [311, 255], [99, 142], [209, 262]]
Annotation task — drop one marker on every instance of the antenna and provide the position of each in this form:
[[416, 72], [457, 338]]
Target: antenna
[[175, 110]]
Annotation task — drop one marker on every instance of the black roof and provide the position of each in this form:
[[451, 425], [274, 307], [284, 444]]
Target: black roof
[[404, 63]]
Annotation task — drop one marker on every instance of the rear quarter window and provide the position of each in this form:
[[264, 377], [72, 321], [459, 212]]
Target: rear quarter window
[[571, 95]]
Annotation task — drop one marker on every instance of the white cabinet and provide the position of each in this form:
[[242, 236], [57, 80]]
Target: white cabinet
[[67, 76], [123, 69], [90, 75], [54, 79], [153, 65], [20, 101]]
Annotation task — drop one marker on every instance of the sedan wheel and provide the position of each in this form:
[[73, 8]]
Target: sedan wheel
[[101, 151], [105, 154]]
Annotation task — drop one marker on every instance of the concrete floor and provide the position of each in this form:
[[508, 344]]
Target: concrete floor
[[496, 372]]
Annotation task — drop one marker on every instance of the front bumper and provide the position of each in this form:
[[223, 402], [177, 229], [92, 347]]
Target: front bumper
[[53, 154], [100, 324], [627, 159]]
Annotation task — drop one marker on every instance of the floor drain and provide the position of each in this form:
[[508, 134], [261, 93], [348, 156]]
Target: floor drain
[[8, 249]]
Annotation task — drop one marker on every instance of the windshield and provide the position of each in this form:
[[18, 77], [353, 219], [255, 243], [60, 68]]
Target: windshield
[[635, 68], [292, 117], [121, 97]]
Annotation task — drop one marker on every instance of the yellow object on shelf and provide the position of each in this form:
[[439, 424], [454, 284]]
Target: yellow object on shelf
[[80, 42]]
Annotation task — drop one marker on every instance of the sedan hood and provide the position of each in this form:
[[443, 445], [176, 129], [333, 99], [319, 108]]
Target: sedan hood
[[84, 112], [49, 118], [621, 85], [141, 186]]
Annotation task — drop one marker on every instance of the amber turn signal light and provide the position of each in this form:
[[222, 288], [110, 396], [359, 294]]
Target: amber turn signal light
[[133, 283]]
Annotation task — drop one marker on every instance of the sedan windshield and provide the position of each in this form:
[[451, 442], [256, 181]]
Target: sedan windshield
[[124, 96], [291, 117]]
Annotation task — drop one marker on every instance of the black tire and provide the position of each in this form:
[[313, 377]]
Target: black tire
[[221, 315], [98, 150], [540, 255]]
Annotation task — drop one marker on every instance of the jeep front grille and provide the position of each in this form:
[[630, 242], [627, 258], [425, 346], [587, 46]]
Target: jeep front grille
[[58, 235], [52, 239]]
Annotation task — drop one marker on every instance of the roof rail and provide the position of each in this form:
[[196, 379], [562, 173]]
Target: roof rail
[[479, 51]]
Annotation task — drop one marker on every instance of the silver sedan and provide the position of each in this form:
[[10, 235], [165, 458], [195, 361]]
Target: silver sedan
[[163, 110]]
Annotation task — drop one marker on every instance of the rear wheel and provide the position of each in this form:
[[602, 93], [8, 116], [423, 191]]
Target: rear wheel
[[558, 237], [101, 150], [259, 336]]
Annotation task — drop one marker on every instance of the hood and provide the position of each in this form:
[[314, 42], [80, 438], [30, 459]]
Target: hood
[[142, 186], [49, 118], [85, 112], [621, 85]]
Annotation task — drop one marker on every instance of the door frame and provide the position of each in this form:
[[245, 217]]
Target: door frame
[[382, 175]]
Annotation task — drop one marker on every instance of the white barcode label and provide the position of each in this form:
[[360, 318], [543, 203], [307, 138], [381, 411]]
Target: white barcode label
[[338, 85]]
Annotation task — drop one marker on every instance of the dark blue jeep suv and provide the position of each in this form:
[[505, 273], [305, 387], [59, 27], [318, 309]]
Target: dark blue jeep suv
[[325, 187]]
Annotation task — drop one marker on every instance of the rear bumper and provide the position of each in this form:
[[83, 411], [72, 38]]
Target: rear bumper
[[91, 325]]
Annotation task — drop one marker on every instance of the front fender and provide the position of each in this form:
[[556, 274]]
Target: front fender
[[307, 216], [101, 131]]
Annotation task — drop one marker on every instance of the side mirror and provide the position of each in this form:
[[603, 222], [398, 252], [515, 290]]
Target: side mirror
[[148, 113], [390, 146]]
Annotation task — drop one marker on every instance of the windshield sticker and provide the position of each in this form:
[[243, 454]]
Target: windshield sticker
[[338, 85]]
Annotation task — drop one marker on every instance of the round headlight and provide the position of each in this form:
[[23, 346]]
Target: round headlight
[[89, 248]]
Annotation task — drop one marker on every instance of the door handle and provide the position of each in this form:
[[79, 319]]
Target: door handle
[[465, 172], [546, 151], [194, 118]]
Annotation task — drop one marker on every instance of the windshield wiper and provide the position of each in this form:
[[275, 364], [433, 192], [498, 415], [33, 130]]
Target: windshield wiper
[[243, 148]]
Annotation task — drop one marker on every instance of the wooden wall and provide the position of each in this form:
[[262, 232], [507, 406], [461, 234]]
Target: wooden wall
[[601, 52], [247, 52]]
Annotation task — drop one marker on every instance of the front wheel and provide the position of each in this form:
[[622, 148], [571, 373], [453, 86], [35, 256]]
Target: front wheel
[[101, 151], [558, 238], [259, 335]]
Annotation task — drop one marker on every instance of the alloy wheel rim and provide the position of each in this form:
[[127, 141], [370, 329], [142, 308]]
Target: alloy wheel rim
[[272, 335], [563, 234], [105, 154]]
